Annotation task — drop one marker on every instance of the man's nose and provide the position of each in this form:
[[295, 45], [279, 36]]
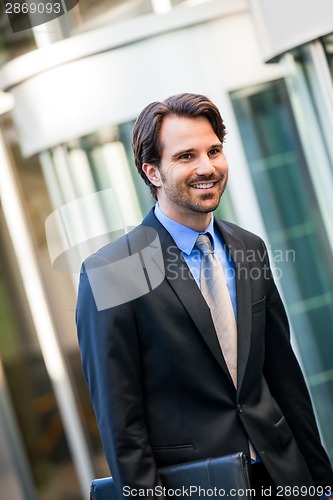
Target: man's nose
[[205, 166]]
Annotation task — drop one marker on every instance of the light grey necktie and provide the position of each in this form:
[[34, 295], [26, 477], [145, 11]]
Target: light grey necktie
[[215, 291]]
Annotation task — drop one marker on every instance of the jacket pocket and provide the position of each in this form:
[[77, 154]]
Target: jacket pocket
[[283, 430], [170, 455], [259, 305]]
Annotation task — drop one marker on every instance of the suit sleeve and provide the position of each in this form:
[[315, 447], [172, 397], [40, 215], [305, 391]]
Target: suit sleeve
[[288, 387], [111, 361]]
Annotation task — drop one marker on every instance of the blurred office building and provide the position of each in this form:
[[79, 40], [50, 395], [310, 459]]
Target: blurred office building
[[70, 92]]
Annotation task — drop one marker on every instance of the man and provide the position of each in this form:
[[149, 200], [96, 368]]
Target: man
[[164, 388]]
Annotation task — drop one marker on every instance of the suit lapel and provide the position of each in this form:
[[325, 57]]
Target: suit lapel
[[182, 282], [191, 297], [238, 254]]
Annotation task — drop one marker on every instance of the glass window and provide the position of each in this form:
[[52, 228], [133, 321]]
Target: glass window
[[299, 246], [99, 161], [328, 47], [145, 199], [310, 84]]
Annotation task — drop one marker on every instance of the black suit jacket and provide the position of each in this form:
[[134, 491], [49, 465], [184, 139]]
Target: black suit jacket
[[159, 385]]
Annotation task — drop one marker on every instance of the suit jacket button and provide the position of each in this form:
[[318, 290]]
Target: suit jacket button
[[240, 408]]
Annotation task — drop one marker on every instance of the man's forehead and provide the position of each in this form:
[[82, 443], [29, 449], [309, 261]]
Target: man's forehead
[[187, 131]]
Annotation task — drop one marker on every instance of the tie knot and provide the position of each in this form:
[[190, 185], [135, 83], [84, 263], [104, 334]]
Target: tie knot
[[204, 244]]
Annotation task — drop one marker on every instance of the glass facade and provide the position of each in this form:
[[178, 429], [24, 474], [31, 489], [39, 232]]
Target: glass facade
[[299, 245]]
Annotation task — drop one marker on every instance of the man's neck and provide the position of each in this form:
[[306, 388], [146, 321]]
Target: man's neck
[[194, 220]]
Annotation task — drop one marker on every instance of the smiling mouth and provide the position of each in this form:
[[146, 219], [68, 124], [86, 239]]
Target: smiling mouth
[[203, 185]]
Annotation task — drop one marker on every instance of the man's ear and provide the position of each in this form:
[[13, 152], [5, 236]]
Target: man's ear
[[152, 173]]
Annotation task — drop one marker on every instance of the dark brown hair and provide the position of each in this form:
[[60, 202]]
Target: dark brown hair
[[146, 144]]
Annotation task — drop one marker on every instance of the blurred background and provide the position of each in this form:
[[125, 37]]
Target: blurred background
[[70, 92]]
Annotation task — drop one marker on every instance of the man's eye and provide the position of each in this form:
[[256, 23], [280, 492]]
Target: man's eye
[[185, 156], [214, 152]]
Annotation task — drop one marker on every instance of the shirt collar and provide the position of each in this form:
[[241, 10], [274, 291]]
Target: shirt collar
[[184, 237]]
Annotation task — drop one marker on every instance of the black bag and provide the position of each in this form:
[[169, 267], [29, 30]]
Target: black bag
[[226, 476]]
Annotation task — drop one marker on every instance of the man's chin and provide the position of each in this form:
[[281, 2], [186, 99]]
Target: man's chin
[[205, 208], [209, 204]]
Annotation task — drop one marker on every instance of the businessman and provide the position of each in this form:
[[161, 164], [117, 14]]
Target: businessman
[[196, 361]]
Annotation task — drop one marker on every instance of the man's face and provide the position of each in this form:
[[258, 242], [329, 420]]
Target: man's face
[[193, 172]]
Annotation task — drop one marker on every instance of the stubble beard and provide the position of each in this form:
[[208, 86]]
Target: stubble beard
[[183, 198]]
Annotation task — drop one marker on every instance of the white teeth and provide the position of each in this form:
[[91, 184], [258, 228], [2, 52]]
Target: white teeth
[[204, 186]]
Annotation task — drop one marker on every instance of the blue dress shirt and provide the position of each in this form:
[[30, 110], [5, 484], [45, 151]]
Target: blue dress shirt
[[185, 239]]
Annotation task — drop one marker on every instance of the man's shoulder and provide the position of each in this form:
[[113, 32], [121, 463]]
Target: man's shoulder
[[113, 250], [134, 241]]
